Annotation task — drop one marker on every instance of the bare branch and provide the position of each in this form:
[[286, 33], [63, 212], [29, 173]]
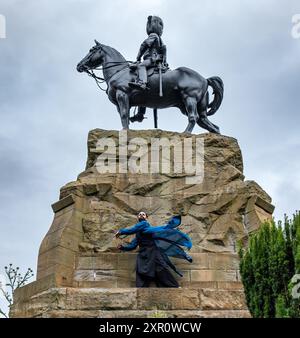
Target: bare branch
[[3, 313], [15, 281]]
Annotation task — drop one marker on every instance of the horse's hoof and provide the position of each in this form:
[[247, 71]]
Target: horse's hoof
[[137, 118]]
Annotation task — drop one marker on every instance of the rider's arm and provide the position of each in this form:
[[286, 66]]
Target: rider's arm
[[142, 51], [146, 44]]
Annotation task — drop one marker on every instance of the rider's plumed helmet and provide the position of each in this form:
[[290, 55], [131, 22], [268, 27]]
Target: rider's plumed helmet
[[154, 25]]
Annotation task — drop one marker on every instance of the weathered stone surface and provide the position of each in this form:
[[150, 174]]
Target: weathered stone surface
[[132, 302], [213, 275], [82, 273], [148, 314], [186, 299], [222, 299], [116, 270], [83, 299], [145, 314], [37, 304], [216, 213], [63, 203]]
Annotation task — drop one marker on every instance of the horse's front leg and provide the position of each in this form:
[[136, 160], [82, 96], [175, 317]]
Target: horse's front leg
[[123, 108]]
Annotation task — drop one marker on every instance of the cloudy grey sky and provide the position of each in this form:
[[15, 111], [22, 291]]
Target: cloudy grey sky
[[47, 108]]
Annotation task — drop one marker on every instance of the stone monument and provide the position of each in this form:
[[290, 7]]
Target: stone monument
[[81, 273]]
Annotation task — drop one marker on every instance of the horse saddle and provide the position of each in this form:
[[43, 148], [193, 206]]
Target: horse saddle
[[150, 70]]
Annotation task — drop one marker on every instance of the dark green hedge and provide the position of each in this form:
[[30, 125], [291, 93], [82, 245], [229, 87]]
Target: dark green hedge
[[267, 266]]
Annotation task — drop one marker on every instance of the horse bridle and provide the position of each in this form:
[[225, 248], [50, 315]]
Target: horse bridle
[[99, 80]]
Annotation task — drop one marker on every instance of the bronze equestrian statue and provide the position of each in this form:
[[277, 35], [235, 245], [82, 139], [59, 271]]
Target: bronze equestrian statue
[[183, 87]]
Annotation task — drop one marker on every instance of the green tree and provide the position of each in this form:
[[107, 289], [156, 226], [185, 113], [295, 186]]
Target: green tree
[[267, 266]]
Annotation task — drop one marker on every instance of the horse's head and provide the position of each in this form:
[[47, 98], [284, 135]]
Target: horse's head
[[93, 59]]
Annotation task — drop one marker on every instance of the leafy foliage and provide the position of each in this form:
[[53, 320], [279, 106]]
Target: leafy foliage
[[267, 267]]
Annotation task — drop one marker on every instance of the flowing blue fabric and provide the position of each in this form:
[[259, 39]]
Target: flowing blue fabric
[[166, 237], [171, 240]]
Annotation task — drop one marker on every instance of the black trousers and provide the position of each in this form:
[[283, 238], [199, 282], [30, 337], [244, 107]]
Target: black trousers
[[163, 279]]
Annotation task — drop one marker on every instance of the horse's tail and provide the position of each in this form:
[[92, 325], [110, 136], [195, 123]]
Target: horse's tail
[[218, 90]]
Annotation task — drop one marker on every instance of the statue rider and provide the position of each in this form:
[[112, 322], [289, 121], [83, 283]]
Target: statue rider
[[152, 50]]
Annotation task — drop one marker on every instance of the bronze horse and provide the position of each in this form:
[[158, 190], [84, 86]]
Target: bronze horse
[[183, 88]]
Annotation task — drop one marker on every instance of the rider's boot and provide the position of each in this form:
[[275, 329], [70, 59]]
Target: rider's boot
[[141, 81]]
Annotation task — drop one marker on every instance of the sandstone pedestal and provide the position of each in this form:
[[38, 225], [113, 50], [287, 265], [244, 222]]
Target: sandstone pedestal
[[80, 271]]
